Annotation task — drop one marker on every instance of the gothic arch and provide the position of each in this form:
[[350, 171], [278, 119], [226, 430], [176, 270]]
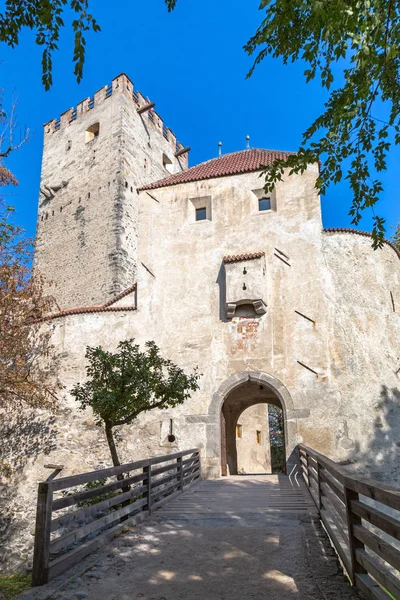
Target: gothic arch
[[233, 382]]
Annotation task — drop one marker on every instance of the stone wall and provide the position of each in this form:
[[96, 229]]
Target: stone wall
[[87, 221]]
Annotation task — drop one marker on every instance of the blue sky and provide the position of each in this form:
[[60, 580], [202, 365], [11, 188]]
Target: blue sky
[[192, 64]]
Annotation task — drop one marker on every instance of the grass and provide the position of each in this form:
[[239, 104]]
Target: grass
[[12, 585]]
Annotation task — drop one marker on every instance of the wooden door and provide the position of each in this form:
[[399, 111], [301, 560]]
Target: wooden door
[[224, 468]]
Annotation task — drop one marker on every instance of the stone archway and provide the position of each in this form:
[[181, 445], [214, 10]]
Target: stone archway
[[276, 389], [238, 402]]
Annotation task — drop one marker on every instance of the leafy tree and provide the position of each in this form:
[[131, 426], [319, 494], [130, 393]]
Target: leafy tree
[[396, 237], [45, 18], [275, 418], [353, 47], [23, 342], [123, 384]]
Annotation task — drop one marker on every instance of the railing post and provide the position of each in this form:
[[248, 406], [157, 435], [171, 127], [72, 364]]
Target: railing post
[[354, 543], [180, 472], [41, 552], [147, 471], [319, 488], [308, 469]]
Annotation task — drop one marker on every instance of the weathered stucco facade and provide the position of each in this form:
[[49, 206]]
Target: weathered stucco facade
[[269, 306]]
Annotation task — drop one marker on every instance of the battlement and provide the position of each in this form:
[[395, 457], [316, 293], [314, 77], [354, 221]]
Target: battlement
[[119, 85]]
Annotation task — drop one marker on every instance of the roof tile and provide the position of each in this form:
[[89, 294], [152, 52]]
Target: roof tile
[[245, 161]]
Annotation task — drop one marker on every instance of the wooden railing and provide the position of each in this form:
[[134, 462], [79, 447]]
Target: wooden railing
[[102, 508], [362, 520]]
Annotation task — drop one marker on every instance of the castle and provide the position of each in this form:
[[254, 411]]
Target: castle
[[249, 287]]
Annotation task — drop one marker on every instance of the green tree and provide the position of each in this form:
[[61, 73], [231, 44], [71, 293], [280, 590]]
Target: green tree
[[45, 18], [353, 46], [396, 237], [121, 385]]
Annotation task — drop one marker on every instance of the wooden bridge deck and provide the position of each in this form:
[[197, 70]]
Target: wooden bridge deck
[[227, 539], [237, 537], [242, 498]]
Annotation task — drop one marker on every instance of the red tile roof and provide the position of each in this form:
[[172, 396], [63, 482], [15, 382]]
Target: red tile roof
[[107, 307], [357, 232], [245, 161], [239, 257]]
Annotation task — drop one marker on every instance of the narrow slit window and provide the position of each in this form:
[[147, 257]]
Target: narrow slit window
[[264, 204], [258, 434], [201, 214], [238, 431]]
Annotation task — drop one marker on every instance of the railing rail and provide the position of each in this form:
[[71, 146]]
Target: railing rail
[[100, 511], [362, 519]]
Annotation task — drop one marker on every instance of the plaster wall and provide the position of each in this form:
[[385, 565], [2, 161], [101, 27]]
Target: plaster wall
[[254, 453]]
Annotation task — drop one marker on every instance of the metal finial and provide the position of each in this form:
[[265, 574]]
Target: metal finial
[[247, 142], [219, 148]]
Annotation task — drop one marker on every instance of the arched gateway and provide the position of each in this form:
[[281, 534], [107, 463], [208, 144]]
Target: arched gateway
[[236, 394]]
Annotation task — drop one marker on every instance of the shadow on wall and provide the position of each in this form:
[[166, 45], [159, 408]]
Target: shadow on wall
[[381, 461], [23, 437]]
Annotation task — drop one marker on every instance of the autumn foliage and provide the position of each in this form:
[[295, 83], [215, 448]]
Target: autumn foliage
[[24, 343]]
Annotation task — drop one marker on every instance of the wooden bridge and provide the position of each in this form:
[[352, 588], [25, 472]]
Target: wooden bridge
[[267, 536]]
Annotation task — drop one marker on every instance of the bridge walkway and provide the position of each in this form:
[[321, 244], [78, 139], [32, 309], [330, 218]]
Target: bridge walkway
[[234, 538]]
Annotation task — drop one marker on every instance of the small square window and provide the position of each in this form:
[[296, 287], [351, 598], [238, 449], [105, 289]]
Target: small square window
[[201, 214], [238, 431], [258, 437], [264, 204]]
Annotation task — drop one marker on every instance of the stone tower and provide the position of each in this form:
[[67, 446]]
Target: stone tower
[[95, 157]]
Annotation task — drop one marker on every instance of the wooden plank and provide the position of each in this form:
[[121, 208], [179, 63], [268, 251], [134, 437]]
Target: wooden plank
[[339, 522], [162, 501], [313, 479], [379, 546], [73, 480], [190, 460], [314, 496], [387, 495], [191, 477], [334, 500], [303, 460], [187, 472], [353, 521], [336, 470], [77, 534], [41, 555], [333, 484], [147, 471], [96, 508], [340, 546], [104, 489], [165, 491], [369, 588], [379, 572], [376, 517], [160, 470], [180, 473], [68, 560], [157, 482]]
